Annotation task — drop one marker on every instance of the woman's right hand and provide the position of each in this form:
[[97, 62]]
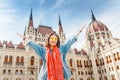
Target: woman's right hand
[[23, 37]]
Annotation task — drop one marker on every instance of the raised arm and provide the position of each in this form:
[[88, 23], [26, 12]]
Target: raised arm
[[37, 48], [65, 47]]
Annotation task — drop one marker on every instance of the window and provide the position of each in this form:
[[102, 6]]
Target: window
[[22, 60], [102, 61], [77, 63], [18, 79], [16, 72], [31, 79], [107, 59], [117, 67], [110, 59], [115, 58], [71, 73], [71, 63], [4, 71], [31, 72], [84, 64], [97, 64], [5, 79], [10, 60], [17, 60], [9, 71], [118, 55], [32, 60], [80, 63], [78, 72], [21, 72], [6, 59]]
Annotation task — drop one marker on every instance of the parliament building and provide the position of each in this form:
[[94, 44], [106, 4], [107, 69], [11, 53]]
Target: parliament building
[[99, 59]]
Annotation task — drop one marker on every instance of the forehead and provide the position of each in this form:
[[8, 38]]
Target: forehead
[[53, 36]]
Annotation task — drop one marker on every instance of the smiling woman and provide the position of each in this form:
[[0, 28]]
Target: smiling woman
[[54, 65]]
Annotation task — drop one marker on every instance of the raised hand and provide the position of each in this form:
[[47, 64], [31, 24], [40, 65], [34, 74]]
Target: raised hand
[[23, 37], [81, 30]]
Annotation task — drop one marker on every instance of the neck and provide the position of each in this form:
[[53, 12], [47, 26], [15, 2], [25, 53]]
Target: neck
[[51, 47]]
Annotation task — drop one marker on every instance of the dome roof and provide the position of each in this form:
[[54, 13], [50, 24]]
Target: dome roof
[[95, 26]]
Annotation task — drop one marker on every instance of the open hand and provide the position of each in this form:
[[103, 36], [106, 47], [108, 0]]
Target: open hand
[[81, 30], [23, 37]]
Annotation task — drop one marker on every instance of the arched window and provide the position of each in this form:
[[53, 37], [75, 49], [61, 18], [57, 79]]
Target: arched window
[[110, 60], [18, 79], [77, 63], [117, 67], [107, 59], [71, 63], [105, 78], [118, 55], [21, 72], [82, 73], [115, 57], [90, 63], [31, 79], [6, 59], [84, 64], [9, 71], [80, 63], [5, 79], [78, 72], [113, 77], [31, 72], [72, 79], [4, 71], [22, 60], [87, 64], [71, 72], [81, 78], [88, 78], [10, 60], [32, 60], [102, 61], [17, 60], [16, 72], [97, 64]]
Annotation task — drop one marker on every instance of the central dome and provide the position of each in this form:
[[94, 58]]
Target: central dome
[[95, 26]]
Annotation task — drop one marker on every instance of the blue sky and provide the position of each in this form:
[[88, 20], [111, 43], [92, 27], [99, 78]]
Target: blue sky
[[14, 16]]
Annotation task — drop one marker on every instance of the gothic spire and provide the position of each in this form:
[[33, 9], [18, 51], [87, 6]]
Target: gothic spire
[[30, 20], [60, 26], [93, 17]]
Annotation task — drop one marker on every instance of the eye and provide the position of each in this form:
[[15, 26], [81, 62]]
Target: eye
[[51, 38], [56, 38]]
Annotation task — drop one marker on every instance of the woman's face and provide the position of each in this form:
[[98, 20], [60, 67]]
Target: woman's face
[[53, 40]]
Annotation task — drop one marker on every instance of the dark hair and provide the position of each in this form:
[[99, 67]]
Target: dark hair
[[58, 41]]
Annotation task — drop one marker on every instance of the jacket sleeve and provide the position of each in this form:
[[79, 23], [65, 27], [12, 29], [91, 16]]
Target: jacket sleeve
[[65, 47], [38, 49]]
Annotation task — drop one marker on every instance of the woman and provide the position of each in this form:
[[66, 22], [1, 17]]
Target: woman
[[54, 65]]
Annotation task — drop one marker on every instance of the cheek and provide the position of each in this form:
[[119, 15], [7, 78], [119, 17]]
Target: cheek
[[53, 42]]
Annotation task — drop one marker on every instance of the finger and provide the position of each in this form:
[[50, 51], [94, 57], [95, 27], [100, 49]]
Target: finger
[[83, 27], [20, 35]]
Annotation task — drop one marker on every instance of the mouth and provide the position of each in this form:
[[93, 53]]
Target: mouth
[[53, 42]]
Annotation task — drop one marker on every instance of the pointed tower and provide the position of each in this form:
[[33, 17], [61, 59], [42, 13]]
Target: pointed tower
[[61, 33], [96, 35], [30, 30], [30, 20], [93, 17], [98, 32], [60, 26]]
